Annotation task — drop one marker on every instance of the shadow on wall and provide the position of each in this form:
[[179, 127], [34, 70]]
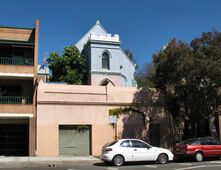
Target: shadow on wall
[[148, 120], [133, 125]]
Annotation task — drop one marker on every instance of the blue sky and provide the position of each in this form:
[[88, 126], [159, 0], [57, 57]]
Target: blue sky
[[144, 26]]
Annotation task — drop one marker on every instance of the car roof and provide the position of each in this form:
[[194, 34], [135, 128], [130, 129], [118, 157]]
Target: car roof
[[130, 139], [198, 138], [204, 137]]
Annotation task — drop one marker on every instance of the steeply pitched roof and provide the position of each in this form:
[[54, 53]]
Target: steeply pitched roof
[[97, 29]]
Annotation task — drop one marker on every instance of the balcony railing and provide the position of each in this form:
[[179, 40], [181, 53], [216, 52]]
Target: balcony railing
[[15, 100], [17, 61]]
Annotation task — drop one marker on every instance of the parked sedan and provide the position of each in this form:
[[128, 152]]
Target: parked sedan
[[129, 150], [198, 148]]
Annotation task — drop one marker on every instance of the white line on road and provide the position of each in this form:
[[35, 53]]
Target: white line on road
[[197, 167], [150, 166], [215, 162], [185, 164], [71, 169], [109, 168], [213, 165], [192, 167]]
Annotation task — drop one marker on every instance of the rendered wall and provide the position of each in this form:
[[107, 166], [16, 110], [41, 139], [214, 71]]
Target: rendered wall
[[60, 104], [77, 105], [121, 68]]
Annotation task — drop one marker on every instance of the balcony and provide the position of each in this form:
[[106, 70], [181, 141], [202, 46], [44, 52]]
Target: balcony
[[15, 100], [17, 61]]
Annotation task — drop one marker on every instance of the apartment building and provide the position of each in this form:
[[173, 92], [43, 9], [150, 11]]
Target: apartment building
[[18, 82]]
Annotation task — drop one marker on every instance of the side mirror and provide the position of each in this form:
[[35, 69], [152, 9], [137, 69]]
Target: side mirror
[[148, 147]]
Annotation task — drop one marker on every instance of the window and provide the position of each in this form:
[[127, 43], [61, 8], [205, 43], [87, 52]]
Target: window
[[204, 142], [192, 141], [138, 144], [112, 143], [105, 61], [106, 82], [196, 142], [214, 142], [125, 144]]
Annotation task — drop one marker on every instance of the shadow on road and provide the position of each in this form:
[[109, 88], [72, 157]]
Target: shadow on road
[[103, 164], [184, 160]]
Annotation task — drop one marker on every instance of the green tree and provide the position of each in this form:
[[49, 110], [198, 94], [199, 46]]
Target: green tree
[[189, 77], [70, 67], [144, 77], [169, 77], [207, 75]]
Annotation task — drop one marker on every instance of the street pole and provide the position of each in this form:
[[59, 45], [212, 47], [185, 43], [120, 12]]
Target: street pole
[[115, 127]]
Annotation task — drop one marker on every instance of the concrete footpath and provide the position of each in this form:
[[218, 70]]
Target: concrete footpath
[[21, 162]]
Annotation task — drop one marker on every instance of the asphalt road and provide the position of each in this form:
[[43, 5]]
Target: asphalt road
[[211, 165]]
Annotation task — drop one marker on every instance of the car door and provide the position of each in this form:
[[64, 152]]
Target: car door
[[205, 147], [126, 150], [218, 146], [209, 147], [215, 147], [142, 151]]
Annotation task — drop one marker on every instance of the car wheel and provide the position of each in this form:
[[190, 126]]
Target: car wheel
[[199, 156], [162, 158], [118, 160]]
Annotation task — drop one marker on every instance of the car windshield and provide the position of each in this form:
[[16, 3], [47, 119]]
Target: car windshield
[[190, 141], [111, 143]]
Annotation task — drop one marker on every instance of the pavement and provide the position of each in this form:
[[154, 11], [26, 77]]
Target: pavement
[[22, 162]]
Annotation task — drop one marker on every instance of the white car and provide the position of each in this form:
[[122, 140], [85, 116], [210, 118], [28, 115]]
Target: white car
[[129, 150]]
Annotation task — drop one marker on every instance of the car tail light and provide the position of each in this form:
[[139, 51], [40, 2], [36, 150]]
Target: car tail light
[[185, 147], [108, 149], [179, 148]]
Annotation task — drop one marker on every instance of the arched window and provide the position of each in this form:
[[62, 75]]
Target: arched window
[[106, 82], [105, 61]]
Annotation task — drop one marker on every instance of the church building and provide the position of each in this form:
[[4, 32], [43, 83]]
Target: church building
[[63, 109], [108, 64]]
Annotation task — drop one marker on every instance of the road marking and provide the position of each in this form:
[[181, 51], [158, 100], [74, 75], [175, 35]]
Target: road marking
[[215, 162], [185, 164], [109, 168], [71, 169], [213, 165], [192, 167], [197, 167], [150, 166]]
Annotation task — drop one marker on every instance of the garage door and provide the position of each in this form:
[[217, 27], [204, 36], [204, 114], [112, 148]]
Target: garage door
[[74, 140], [14, 139]]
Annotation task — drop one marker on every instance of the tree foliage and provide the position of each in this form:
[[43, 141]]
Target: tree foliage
[[144, 77], [189, 77], [70, 67]]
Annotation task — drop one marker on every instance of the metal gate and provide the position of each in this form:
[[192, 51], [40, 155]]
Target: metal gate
[[74, 140], [14, 139]]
